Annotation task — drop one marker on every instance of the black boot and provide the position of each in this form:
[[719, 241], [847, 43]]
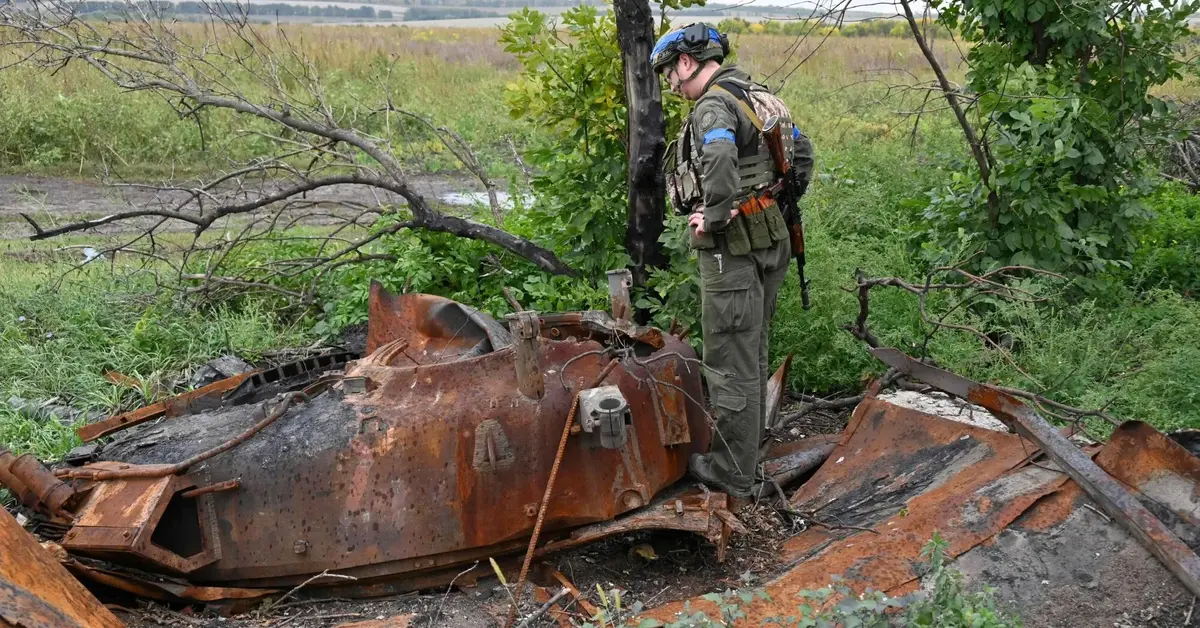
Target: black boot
[[702, 469]]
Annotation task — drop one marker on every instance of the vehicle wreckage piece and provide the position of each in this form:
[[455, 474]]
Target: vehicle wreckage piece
[[1111, 495], [897, 476], [425, 455], [35, 590], [33, 485]]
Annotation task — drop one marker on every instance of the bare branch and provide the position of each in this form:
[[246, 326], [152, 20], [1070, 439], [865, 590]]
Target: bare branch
[[322, 172]]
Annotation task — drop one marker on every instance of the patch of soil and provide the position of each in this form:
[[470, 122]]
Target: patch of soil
[[659, 566]]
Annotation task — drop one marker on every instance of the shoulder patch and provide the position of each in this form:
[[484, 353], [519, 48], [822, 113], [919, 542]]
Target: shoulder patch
[[708, 120]]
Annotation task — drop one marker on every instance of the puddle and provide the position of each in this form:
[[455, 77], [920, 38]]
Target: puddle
[[468, 199]]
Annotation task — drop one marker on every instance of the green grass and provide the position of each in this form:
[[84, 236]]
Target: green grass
[[57, 340]]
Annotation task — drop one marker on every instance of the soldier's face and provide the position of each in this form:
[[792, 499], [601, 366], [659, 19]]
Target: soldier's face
[[672, 75], [680, 74]]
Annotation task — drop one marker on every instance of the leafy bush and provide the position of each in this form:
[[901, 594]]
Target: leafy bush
[[1066, 111], [1168, 246]]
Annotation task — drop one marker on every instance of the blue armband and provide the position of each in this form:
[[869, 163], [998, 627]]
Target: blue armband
[[716, 135]]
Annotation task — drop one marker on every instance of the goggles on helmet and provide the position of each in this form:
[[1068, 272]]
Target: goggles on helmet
[[698, 40]]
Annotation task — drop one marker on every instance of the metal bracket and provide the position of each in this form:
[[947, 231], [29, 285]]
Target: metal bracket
[[619, 282], [526, 327]]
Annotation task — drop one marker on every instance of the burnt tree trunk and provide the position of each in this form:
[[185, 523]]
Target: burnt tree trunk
[[647, 190]]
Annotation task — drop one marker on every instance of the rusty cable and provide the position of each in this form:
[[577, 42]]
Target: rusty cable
[[159, 471], [558, 456]]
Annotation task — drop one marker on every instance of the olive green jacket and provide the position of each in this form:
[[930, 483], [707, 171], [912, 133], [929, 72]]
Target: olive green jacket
[[720, 128]]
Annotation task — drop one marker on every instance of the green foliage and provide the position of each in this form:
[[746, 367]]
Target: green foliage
[[575, 92], [572, 86], [949, 605], [1064, 102], [56, 342], [1169, 245], [466, 270]]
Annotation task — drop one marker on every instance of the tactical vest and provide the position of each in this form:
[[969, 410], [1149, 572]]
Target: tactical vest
[[760, 223]]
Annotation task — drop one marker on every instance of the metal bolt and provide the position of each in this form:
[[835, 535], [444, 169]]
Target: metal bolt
[[678, 508], [632, 499], [300, 547], [530, 510]]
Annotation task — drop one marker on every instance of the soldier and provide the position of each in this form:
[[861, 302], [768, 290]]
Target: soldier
[[718, 172]]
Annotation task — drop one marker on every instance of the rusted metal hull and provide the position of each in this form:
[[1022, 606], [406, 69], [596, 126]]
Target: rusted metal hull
[[180, 404], [431, 452]]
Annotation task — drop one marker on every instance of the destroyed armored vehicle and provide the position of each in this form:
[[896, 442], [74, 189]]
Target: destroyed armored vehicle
[[430, 452]]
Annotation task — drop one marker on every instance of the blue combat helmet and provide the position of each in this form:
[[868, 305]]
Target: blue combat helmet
[[698, 40]]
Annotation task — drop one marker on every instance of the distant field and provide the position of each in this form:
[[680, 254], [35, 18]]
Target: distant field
[[74, 120]]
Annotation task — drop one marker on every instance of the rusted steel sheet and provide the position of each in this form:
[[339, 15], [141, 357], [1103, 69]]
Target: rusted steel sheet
[[436, 329], [1109, 494], [1165, 476], [33, 484], [903, 475], [593, 325], [161, 589], [670, 405], [423, 457], [1160, 469], [147, 518], [174, 406], [35, 590], [619, 282], [524, 327]]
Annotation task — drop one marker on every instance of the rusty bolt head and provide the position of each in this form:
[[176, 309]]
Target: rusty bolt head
[[531, 510], [300, 547], [125, 534], [632, 499]]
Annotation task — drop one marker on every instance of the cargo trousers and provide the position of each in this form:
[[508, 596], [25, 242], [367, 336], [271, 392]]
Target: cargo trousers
[[738, 300]]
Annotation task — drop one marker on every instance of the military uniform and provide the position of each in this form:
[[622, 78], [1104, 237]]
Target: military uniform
[[719, 162]]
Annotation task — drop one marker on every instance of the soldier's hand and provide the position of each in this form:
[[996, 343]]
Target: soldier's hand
[[696, 220]]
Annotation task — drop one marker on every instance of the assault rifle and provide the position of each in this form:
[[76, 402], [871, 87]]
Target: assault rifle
[[787, 193]]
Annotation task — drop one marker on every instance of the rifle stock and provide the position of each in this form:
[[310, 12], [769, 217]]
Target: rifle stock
[[788, 200]]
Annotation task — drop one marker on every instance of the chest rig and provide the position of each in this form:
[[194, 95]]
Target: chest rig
[[759, 222]]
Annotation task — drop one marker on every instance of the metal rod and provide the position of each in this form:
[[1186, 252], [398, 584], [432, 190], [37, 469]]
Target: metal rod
[[227, 485], [537, 527]]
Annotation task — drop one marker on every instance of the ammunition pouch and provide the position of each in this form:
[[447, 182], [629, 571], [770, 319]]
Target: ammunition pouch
[[758, 225]]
